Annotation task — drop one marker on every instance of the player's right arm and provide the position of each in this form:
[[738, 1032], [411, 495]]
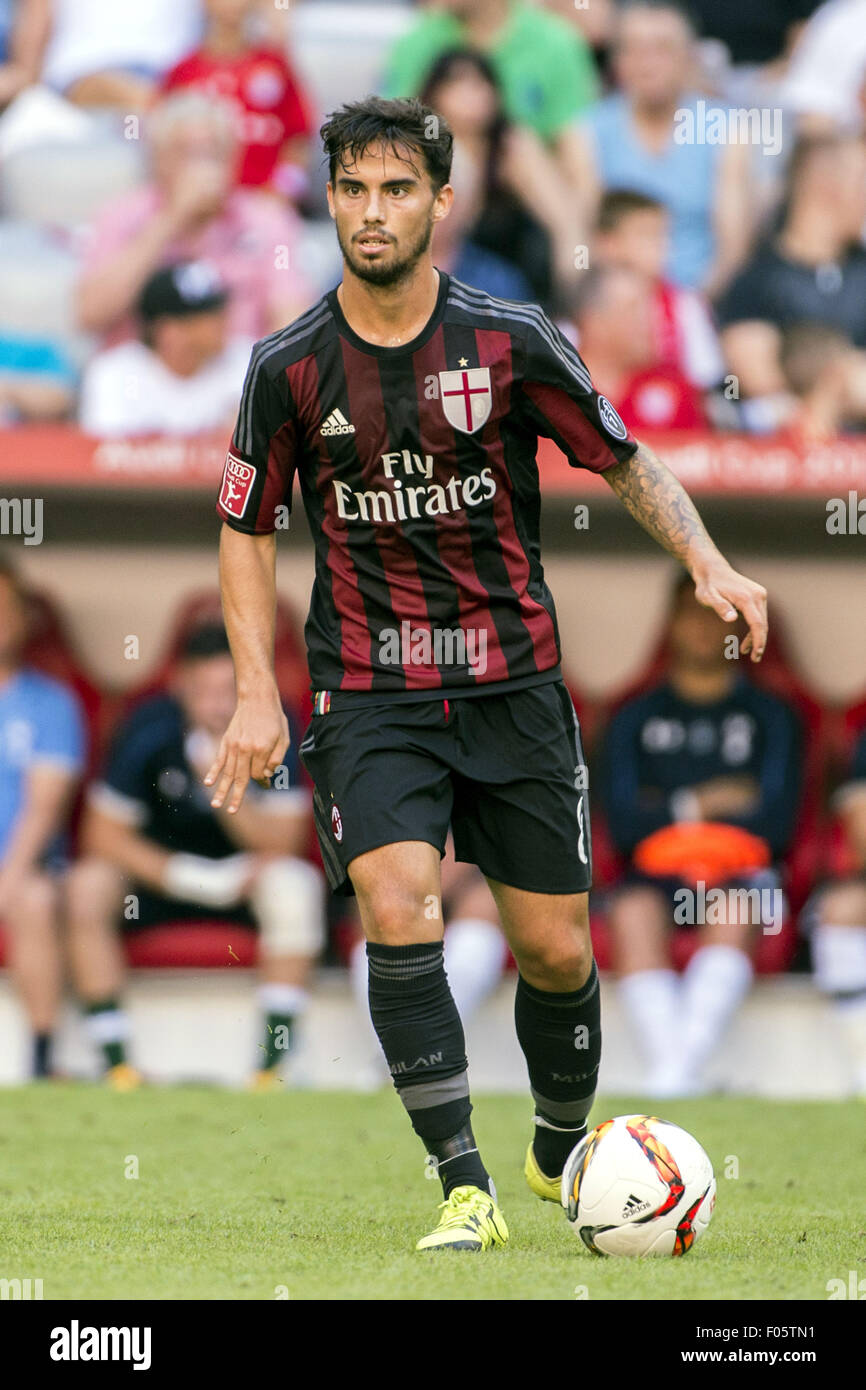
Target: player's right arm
[[256, 481], [258, 735]]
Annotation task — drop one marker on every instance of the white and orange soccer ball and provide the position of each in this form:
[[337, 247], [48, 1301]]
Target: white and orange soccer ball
[[637, 1185]]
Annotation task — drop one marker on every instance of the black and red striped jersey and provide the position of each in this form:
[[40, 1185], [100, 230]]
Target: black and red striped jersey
[[417, 469]]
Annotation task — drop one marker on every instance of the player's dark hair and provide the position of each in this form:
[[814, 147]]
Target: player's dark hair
[[203, 642], [396, 125], [618, 203]]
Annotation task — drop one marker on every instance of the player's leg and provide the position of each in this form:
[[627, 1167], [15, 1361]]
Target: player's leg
[[31, 919], [714, 984], [838, 941], [382, 804], [287, 900], [639, 923], [557, 1015], [412, 1008], [521, 814], [475, 948], [94, 891]]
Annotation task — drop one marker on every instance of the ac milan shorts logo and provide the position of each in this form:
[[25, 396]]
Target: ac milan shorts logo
[[337, 823], [609, 418], [238, 479]]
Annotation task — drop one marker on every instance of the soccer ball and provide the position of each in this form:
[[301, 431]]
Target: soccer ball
[[637, 1185]]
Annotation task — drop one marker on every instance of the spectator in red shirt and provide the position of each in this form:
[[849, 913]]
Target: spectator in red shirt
[[272, 116], [613, 316], [633, 230]]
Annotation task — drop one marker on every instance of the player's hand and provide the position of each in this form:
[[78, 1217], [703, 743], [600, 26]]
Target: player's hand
[[252, 746], [720, 587], [726, 796]]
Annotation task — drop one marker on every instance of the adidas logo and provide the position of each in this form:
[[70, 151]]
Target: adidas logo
[[337, 423], [633, 1207]]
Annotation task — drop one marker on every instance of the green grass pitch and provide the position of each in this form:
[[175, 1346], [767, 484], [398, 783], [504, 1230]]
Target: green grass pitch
[[321, 1196]]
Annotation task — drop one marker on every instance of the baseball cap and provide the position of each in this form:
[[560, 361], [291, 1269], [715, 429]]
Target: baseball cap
[[176, 291]]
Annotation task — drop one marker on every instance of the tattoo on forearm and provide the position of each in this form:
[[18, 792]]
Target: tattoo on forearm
[[655, 498]]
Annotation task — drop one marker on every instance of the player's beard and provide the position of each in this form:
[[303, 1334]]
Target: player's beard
[[400, 268]]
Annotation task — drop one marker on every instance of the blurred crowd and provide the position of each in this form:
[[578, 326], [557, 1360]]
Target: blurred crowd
[[682, 186]]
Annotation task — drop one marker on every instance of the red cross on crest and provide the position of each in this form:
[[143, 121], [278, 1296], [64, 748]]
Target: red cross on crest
[[467, 398]]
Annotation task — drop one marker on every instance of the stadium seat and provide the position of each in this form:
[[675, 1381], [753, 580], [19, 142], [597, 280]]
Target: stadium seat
[[205, 945], [66, 184], [204, 607], [37, 281], [837, 861]]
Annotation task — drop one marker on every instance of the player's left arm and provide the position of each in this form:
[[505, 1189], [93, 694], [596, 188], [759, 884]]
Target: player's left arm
[[658, 501]]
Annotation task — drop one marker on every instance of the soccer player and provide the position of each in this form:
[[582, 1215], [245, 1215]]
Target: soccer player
[[410, 406]]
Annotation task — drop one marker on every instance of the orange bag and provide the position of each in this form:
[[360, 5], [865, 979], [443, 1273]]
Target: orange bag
[[706, 851]]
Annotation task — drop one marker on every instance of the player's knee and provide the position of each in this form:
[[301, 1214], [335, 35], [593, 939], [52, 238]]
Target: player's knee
[[91, 883], [287, 898], [397, 914], [34, 900], [559, 961], [844, 904]]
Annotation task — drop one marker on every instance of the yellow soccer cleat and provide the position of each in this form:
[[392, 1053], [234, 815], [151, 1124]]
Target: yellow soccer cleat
[[123, 1077], [548, 1189], [470, 1220], [266, 1080]]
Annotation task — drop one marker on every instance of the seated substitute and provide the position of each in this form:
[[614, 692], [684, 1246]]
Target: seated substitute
[[837, 917], [156, 851], [700, 782], [41, 757]]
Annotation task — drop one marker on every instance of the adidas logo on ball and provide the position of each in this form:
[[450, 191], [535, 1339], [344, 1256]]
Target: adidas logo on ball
[[337, 423], [633, 1207]]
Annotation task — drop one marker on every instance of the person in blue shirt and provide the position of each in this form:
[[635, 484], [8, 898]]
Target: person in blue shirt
[[657, 136], [837, 918], [157, 852], [704, 745], [42, 744]]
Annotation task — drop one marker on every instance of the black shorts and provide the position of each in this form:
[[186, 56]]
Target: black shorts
[[154, 910], [506, 772]]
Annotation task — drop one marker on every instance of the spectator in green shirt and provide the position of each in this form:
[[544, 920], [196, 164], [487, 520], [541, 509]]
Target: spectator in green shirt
[[544, 65]]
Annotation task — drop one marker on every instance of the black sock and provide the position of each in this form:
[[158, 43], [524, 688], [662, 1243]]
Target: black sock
[[41, 1054], [561, 1039], [113, 1048], [418, 1025]]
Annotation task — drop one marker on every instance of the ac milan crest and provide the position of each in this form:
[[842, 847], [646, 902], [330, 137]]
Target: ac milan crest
[[466, 397]]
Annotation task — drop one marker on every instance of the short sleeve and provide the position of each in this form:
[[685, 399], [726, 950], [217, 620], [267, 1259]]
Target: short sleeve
[[746, 297], [59, 736], [561, 403], [260, 465]]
